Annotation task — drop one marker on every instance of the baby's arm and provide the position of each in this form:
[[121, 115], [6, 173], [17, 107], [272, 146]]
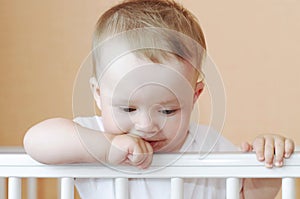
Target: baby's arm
[[61, 141], [272, 149]]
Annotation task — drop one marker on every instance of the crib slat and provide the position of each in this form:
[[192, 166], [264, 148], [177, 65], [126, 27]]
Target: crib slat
[[232, 188], [67, 188], [121, 188], [31, 188], [288, 188], [2, 188], [177, 188], [14, 188]]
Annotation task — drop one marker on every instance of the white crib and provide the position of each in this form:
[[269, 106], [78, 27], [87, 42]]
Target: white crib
[[15, 165]]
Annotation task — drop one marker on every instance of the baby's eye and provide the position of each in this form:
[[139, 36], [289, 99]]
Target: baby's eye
[[168, 112], [128, 109]]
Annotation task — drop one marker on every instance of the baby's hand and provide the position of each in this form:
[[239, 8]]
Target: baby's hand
[[131, 150], [270, 148]]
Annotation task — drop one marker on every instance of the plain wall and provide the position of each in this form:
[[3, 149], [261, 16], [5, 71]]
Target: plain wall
[[255, 45]]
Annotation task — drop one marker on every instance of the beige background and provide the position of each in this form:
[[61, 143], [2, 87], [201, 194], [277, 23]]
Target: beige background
[[254, 43]]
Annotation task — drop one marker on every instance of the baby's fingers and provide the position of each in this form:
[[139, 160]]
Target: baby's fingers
[[264, 149], [279, 152], [289, 147], [283, 149], [269, 152], [246, 147], [273, 149], [147, 162], [259, 148], [141, 156], [137, 156]]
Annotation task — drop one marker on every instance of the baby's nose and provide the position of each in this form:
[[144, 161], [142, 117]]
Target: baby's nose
[[143, 134], [145, 124]]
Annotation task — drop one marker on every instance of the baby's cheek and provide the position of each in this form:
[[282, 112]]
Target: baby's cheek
[[178, 121], [178, 126], [115, 126], [172, 128]]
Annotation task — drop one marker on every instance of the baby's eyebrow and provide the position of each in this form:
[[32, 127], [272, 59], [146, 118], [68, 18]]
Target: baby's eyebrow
[[166, 102], [162, 103]]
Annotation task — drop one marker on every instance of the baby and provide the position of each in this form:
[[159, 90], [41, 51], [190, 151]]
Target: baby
[[147, 57]]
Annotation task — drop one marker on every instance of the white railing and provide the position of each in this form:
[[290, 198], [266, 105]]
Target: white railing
[[231, 166]]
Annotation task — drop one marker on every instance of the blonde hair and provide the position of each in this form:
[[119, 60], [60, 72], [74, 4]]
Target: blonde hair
[[146, 14]]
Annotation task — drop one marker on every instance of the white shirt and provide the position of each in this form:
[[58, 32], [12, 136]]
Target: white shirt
[[200, 138]]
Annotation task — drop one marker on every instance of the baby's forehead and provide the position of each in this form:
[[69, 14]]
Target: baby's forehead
[[132, 63], [130, 75]]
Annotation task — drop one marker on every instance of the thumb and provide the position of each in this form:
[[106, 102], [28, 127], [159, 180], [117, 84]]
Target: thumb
[[246, 147]]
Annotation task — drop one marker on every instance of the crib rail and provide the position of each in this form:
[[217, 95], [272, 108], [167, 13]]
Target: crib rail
[[231, 166]]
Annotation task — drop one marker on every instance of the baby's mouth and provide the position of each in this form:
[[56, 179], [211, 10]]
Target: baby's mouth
[[156, 144]]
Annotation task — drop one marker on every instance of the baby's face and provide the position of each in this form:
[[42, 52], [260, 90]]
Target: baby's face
[[152, 101]]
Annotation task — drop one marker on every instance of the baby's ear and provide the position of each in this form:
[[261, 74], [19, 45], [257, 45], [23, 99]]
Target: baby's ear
[[198, 90], [94, 85]]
